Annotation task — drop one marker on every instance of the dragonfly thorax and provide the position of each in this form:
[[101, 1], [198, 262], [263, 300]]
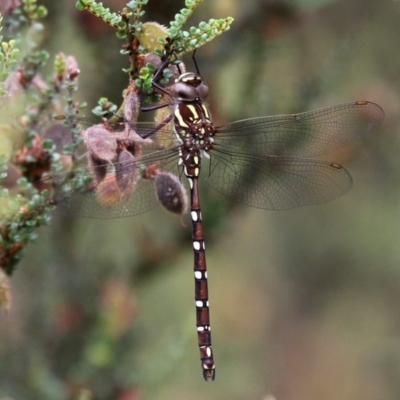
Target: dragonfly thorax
[[193, 125], [189, 87]]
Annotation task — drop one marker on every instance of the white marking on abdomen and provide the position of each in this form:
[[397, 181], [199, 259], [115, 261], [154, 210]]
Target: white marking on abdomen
[[198, 274], [203, 328], [196, 245]]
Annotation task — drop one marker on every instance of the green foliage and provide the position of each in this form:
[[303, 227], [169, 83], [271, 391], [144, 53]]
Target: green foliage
[[104, 107], [33, 11], [113, 19], [21, 215], [187, 41], [9, 55], [174, 41], [27, 100], [196, 37]]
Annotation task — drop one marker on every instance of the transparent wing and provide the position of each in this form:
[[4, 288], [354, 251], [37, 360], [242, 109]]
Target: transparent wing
[[276, 183], [255, 161], [308, 134]]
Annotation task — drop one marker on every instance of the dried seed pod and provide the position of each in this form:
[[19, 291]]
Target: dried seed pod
[[97, 167], [107, 191], [149, 33], [126, 171], [171, 193], [131, 103], [100, 143]]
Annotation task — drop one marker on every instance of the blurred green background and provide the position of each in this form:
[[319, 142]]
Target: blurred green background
[[304, 303]]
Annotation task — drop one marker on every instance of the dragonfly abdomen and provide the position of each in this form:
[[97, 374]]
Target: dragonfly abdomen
[[201, 284], [191, 161]]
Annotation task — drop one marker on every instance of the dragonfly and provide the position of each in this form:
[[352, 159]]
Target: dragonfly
[[265, 162]]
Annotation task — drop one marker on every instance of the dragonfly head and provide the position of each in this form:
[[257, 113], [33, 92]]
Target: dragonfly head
[[189, 87]]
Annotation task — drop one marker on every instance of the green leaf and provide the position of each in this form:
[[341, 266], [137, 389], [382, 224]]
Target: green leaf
[[121, 35], [42, 12], [80, 5]]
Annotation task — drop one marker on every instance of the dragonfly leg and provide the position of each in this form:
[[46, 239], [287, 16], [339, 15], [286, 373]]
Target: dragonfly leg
[[158, 127]]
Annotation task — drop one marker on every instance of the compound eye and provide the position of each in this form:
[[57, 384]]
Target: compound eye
[[202, 90], [183, 91]]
